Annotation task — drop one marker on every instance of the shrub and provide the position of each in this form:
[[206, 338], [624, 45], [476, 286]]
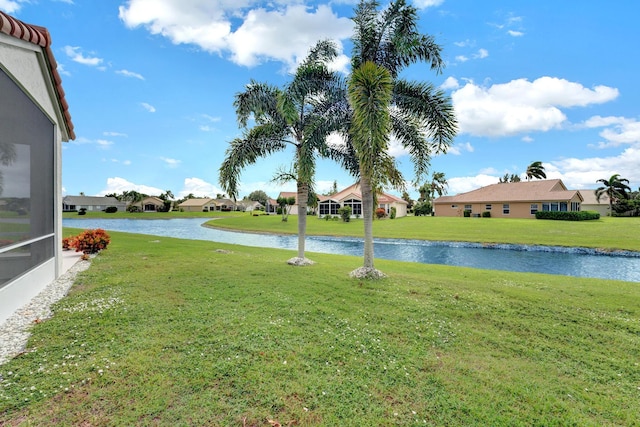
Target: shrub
[[91, 241], [68, 243], [486, 214], [327, 217], [568, 216], [133, 209], [111, 209], [82, 211], [467, 213], [380, 213], [345, 213], [393, 212], [423, 208]]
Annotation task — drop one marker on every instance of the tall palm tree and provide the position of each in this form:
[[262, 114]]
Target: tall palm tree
[[615, 188], [297, 115], [418, 114], [536, 170]]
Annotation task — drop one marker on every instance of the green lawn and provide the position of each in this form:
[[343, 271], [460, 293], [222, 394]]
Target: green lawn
[[165, 332], [607, 233]]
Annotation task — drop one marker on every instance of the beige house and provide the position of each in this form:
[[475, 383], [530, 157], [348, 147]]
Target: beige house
[[198, 205], [150, 204], [34, 121], [511, 200], [591, 202], [352, 197]]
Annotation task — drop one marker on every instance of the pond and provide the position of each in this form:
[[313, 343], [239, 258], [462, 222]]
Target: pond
[[579, 262]]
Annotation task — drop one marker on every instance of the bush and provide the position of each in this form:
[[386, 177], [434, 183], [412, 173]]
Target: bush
[[467, 213], [486, 214], [380, 213], [345, 213], [91, 241], [133, 209], [68, 243], [327, 217], [393, 212], [111, 209], [568, 216], [82, 211], [423, 208]]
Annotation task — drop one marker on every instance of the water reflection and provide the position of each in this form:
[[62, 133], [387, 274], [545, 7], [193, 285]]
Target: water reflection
[[561, 261]]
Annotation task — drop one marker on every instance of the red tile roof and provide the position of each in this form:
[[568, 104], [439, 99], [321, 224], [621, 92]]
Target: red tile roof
[[41, 37], [525, 191]]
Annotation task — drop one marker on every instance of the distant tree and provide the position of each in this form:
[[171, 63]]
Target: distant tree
[[333, 190], [7, 156], [509, 178], [536, 170], [407, 198], [259, 196], [615, 187], [285, 204]]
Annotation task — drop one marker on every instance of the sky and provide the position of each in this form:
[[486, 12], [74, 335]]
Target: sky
[[151, 84]]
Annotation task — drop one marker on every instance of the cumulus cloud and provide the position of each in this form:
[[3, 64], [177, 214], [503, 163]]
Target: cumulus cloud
[[619, 130], [514, 33], [199, 188], [457, 149], [172, 163], [463, 184], [76, 55], [423, 4], [118, 185], [10, 6], [522, 106], [277, 31], [108, 133]]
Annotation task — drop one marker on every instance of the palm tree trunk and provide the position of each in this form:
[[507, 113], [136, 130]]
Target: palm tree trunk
[[367, 213], [303, 197]]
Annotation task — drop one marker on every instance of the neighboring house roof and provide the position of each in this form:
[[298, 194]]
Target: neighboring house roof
[[152, 199], [589, 198], [40, 36], [196, 202], [90, 200], [524, 191], [353, 191]]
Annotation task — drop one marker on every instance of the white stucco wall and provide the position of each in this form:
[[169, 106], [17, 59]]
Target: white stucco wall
[[26, 64]]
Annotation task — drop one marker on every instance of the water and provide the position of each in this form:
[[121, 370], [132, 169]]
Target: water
[[579, 262]]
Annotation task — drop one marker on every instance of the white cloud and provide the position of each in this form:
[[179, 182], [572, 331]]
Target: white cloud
[[467, 183], [172, 163], [10, 6], [128, 73], [481, 54], [118, 185], [527, 138], [465, 43], [514, 33], [522, 106], [199, 188], [457, 149], [103, 143], [74, 52], [114, 134], [150, 108], [281, 31], [450, 83], [620, 130], [61, 69], [462, 58], [423, 4]]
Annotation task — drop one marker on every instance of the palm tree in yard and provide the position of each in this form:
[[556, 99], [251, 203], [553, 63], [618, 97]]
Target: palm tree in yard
[[536, 170], [417, 114], [615, 188], [298, 116]]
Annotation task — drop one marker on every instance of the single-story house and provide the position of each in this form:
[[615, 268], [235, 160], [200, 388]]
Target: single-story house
[[511, 200], [249, 205], [198, 205], [34, 121], [150, 204], [225, 205], [591, 203], [352, 196], [97, 204]]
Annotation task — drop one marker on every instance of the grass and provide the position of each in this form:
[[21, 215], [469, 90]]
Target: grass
[[163, 331], [606, 233], [151, 215]]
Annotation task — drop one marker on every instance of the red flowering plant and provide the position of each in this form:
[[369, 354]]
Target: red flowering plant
[[68, 243], [91, 241]]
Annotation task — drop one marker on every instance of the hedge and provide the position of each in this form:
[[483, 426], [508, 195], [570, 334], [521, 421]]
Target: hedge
[[568, 216]]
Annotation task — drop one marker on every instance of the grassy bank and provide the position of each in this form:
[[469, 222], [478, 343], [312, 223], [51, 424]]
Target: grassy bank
[[165, 332], [607, 233]]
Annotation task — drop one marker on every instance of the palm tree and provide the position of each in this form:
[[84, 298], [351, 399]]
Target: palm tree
[[615, 188], [536, 170], [296, 115], [418, 114]]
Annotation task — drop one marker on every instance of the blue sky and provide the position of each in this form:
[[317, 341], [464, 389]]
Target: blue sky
[[151, 83]]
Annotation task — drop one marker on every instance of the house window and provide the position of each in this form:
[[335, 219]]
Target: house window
[[467, 207], [534, 208], [505, 209], [546, 207], [575, 206], [328, 207], [487, 207], [454, 206], [355, 205], [563, 206], [554, 207]]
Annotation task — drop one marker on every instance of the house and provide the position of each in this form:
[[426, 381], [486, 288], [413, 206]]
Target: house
[[203, 204], [34, 121], [225, 205], [249, 205], [95, 204], [150, 204], [591, 202], [352, 197], [511, 200]]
